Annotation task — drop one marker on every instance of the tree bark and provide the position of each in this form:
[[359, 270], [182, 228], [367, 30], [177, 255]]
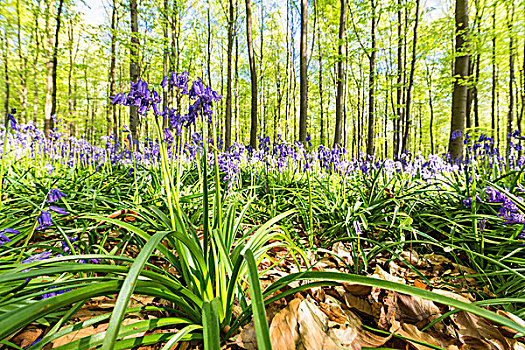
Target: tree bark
[[303, 109], [228, 112], [411, 80], [459, 95], [494, 82], [237, 116], [6, 72], [340, 80], [253, 75], [510, 115], [165, 54], [321, 105], [51, 86], [134, 67], [371, 83], [431, 105], [23, 68]]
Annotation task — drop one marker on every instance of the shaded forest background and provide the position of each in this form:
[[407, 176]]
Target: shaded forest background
[[376, 76]]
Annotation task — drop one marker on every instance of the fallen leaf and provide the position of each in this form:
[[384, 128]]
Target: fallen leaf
[[470, 325], [284, 327]]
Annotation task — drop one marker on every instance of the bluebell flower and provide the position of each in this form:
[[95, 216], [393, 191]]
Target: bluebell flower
[[456, 133], [58, 210], [55, 293], [357, 228], [44, 220], [54, 195], [10, 231]]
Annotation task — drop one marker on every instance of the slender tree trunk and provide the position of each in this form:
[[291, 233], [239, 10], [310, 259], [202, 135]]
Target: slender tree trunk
[[431, 106], [208, 61], [371, 83], [321, 105], [6, 75], [399, 87], [35, 64], [303, 72], [165, 45], [51, 88], [288, 80], [494, 82], [411, 79], [134, 67], [23, 66], [237, 116], [228, 113], [277, 128], [459, 95], [253, 75], [71, 38], [340, 80], [261, 75], [510, 115]]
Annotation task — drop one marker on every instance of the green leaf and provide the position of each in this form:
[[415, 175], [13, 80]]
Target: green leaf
[[210, 323], [259, 313], [127, 290]]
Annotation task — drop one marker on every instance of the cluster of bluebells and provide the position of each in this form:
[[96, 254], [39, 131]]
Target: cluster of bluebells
[[508, 210], [143, 98]]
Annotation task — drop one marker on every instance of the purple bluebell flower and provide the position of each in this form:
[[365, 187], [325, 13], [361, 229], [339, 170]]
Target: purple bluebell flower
[[10, 231], [357, 228], [37, 257], [53, 294], [54, 195], [58, 210], [44, 220], [456, 133], [4, 239]]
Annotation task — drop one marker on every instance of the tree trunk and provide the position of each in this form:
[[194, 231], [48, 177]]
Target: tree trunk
[[237, 116], [6, 72], [36, 11], [399, 88], [165, 54], [321, 106], [253, 75], [71, 38], [261, 75], [494, 82], [371, 83], [134, 67], [228, 113], [51, 88], [431, 106], [340, 80], [303, 109], [459, 95], [23, 68], [510, 115], [411, 80]]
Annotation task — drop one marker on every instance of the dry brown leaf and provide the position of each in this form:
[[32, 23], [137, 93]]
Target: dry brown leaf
[[414, 309], [470, 325], [354, 302], [27, 337], [508, 331], [412, 332], [357, 289], [344, 252], [457, 296], [284, 328]]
